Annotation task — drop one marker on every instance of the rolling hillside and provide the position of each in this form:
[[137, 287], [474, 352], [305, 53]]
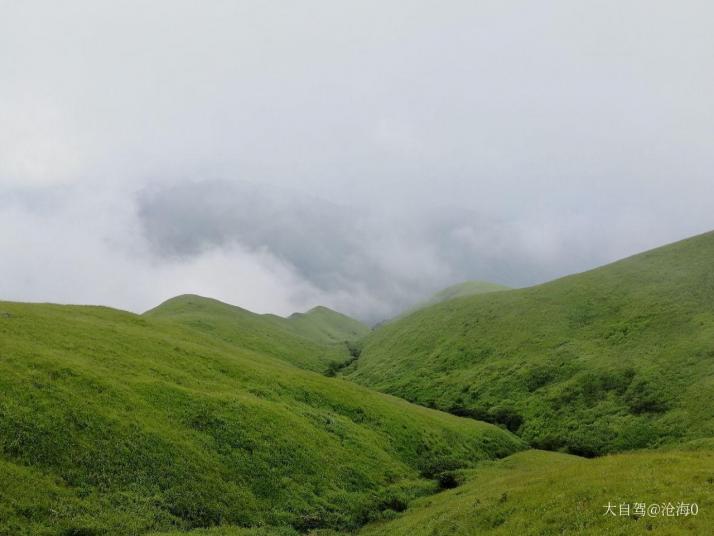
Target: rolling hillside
[[323, 324], [618, 358], [538, 493], [460, 290], [118, 424], [467, 288], [198, 418], [311, 340]]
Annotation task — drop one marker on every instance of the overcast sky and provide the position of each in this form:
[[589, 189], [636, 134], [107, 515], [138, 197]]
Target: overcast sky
[[357, 154]]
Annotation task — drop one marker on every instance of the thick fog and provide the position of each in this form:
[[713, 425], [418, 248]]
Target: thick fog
[[360, 155]]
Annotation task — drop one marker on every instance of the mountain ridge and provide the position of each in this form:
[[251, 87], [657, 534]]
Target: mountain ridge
[[312, 340], [200, 417], [114, 423], [612, 344]]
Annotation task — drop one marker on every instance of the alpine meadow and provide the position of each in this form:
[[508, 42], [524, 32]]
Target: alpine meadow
[[199, 414], [357, 268]]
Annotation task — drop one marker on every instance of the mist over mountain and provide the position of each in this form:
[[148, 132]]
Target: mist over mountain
[[369, 268], [362, 157]]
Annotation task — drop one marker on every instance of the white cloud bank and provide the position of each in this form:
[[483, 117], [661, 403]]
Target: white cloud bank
[[392, 147]]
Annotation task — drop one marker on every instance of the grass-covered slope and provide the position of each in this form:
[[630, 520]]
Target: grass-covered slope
[[467, 288], [545, 493], [460, 290], [311, 340], [539, 493], [118, 424], [323, 324], [617, 358]]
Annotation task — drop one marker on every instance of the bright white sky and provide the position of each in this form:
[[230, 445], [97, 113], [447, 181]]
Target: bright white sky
[[357, 154]]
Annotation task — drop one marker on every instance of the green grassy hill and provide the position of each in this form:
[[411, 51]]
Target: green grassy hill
[[467, 288], [323, 324], [200, 418], [460, 290], [545, 493], [311, 340], [618, 358], [118, 424]]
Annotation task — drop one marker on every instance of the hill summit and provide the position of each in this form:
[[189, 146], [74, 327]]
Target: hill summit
[[311, 340]]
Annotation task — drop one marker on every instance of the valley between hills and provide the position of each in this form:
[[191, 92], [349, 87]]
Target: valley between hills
[[485, 410]]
